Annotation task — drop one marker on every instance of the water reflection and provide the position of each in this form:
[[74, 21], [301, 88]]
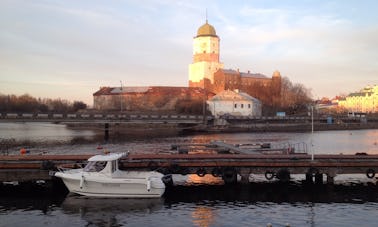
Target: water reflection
[[203, 216], [272, 192], [204, 205], [41, 132], [105, 212], [207, 179]]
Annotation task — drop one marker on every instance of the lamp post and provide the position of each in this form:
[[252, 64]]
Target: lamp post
[[121, 96], [204, 106], [312, 132]]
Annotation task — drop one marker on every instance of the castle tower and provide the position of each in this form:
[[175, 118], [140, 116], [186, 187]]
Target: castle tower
[[205, 57]]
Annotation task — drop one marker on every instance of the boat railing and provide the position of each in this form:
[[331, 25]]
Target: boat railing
[[292, 148], [70, 166]]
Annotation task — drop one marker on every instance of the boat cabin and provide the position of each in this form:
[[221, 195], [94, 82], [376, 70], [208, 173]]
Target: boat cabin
[[107, 164]]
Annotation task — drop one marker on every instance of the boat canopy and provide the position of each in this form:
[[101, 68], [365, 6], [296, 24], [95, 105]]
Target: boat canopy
[[107, 157]]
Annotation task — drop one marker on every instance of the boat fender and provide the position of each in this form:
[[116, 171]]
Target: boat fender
[[47, 165], [148, 185], [216, 172], [283, 175], [201, 172], [167, 179], [370, 173], [184, 171], [82, 181], [269, 175], [175, 168], [313, 171], [152, 165], [229, 175]]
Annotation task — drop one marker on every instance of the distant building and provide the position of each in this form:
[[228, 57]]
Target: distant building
[[207, 77], [234, 103], [206, 71], [151, 98], [365, 101], [205, 57]]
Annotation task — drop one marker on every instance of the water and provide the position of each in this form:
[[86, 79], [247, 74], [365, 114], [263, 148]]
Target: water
[[196, 206], [216, 205], [55, 138], [41, 132]]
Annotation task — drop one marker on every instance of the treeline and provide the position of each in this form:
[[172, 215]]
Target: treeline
[[282, 96], [28, 104], [295, 98]]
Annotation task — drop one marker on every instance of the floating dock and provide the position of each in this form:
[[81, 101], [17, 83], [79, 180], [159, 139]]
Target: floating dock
[[228, 166]]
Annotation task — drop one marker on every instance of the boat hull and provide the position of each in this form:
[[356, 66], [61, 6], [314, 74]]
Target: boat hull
[[126, 187]]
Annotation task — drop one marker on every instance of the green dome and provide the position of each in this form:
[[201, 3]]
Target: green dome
[[206, 30]]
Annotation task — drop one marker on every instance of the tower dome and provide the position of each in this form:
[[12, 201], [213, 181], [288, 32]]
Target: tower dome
[[276, 74], [206, 30]]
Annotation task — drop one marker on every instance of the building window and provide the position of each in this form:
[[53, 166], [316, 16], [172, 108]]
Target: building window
[[236, 105], [249, 106], [242, 105]]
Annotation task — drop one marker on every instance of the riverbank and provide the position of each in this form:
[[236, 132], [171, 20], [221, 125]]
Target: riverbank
[[279, 127], [138, 129]]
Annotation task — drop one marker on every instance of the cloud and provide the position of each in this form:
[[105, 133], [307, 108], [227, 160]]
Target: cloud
[[151, 44]]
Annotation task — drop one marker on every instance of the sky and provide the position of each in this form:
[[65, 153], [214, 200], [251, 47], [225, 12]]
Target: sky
[[69, 49]]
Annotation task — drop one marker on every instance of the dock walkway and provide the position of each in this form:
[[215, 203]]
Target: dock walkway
[[227, 166]]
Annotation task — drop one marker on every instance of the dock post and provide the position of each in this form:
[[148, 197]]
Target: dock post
[[319, 178], [330, 179], [244, 178], [309, 178]]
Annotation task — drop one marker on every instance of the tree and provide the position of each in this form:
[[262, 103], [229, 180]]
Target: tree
[[294, 98], [78, 105], [27, 103]]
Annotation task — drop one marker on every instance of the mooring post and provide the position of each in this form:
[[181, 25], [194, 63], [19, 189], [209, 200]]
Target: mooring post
[[106, 135], [244, 178], [319, 178], [330, 179], [244, 175], [309, 178]]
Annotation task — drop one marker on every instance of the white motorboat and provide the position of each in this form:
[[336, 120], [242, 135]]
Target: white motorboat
[[101, 177]]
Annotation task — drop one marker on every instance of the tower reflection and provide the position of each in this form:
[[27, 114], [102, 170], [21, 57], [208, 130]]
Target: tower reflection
[[203, 216]]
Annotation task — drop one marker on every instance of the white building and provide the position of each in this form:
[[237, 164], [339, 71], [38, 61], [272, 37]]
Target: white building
[[234, 103]]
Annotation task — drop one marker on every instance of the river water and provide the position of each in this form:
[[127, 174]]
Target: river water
[[257, 204]]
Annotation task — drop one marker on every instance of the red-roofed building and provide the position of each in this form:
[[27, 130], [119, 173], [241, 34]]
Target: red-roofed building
[[151, 98]]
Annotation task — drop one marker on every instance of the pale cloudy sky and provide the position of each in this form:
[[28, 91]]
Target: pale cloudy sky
[[68, 49]]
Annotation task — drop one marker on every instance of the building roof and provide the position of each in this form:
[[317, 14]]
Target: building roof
[[243, 74], [229, 95], [119, 90], [130, 89], [150, 90], [206, 30]]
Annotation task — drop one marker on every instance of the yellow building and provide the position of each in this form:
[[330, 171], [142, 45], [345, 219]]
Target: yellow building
[[365, 101]]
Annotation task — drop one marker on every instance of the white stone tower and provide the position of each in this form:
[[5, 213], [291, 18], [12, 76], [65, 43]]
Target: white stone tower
[[205, 57]]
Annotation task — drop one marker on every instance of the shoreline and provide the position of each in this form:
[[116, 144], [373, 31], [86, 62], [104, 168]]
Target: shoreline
[[288, 127]]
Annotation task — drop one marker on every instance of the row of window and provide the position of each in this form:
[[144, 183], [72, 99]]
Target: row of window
[[241, 106], [236, 82]]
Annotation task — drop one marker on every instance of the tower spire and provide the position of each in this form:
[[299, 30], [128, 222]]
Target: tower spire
[[206, 15]]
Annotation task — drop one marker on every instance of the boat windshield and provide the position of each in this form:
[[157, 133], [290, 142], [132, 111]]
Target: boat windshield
[[94, 166]]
